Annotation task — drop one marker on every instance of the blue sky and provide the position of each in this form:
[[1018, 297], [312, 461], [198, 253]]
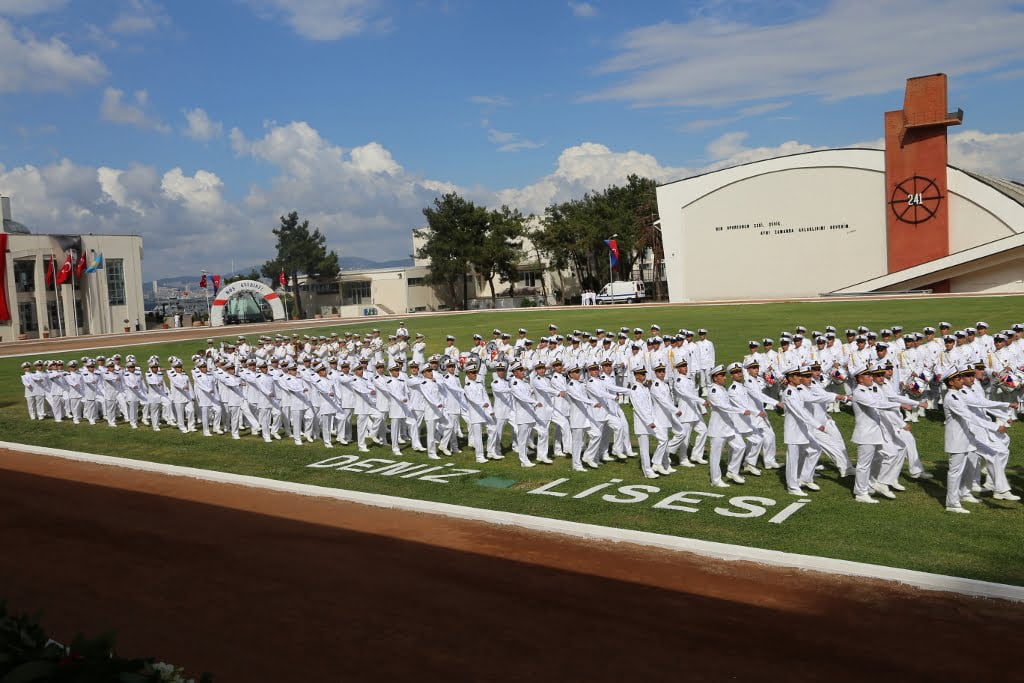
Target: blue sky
[[196, 124]]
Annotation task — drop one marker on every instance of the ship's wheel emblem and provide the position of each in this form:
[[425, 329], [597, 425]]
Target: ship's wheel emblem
[[915, 200]]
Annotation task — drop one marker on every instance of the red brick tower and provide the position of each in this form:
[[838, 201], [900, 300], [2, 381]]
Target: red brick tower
[[917, 205]]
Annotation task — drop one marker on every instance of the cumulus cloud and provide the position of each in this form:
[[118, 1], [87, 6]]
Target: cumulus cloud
[[24, 7], [200, 126], [719, 60], [583, 9], [139, 16], [490, 100], [322, 19], [31, 64], [363, 199], [511, 142], [113, 108]]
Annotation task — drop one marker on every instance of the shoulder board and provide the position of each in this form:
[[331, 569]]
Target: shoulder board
[[514, 383], [956, 397], [657, 384], [789, 392], [635, 387], [714, 391]]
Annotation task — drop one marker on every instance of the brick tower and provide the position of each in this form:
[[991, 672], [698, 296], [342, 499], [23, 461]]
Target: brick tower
[[917, 203]]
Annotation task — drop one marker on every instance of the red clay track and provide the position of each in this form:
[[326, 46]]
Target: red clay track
[[262, 586]]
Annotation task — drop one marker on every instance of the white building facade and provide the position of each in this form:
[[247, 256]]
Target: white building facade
[[108, 300]]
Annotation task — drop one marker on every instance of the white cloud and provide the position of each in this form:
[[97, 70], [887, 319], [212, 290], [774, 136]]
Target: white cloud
[[511, 142], [583, 9], [113, 108], [363, 199], [22, 8], [322, 19], [490, 100], [139, 16], [31, 64], [746, 112], [848, 49], [201, 126]]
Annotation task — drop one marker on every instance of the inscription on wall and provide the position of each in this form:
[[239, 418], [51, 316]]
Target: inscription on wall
[[776, 228]]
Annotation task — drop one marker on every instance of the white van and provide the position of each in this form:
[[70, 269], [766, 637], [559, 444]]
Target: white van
[[621, 291]]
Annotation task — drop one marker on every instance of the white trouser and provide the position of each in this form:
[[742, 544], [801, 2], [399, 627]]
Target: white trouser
[[563, 433], [906, 442], [593, 435], [645, 452], [871, 457], [737, 447], [768, 447], [414, 429], [957, 477], [622, 444], [476, 440], [154, 411], [450, 433], [30, 403], [75, 409], [296, 414], [397, 424], [185, 416], [89, 410], [343, 425], [801, 459], [831, 441], [267, 417], [110, 410], [523, 438], [40, 406], [494, 434], [325, 427], [250, 417], [431, 435], [700, 443], [56, 406], [204, 419], [363, 425], [596, 447], [234, 416], [660, 456], [217, 417]]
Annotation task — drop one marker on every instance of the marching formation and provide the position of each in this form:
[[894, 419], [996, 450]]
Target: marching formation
[[565, 396]]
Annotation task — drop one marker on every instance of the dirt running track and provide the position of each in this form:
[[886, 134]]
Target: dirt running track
[[263, 586]]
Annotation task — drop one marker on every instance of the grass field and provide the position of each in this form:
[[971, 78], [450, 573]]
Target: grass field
[[912, 532]]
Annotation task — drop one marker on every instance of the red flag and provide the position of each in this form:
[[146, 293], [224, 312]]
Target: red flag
[[282, 279], [65, 271], [202, 281], [216, 283], [49, 272], [82, 264]]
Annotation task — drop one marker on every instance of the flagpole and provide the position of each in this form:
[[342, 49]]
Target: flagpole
[[74, 304], [56, 295]]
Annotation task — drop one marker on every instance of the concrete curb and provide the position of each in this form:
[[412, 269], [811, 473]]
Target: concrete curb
[[721, 551]]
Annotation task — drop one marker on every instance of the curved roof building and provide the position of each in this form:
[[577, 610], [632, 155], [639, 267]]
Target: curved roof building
[[848, 221]]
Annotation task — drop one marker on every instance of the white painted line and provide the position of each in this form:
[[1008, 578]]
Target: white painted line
[[721, 551]]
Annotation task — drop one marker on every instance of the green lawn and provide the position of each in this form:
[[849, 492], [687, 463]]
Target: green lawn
[[913, 531]]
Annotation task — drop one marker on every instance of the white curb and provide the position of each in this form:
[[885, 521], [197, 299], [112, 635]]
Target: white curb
[[721, 551]]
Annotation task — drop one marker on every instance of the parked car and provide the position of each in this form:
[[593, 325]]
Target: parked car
[[622, 291]]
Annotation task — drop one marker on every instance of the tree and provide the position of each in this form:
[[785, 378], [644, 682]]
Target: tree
[[455, 229], [251, 275], [573, 232], [300, 251], [496, 254]]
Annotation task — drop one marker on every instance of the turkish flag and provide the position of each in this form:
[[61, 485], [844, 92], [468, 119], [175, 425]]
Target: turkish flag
[[216, 283], [65, 271], [82, 264], [282, 279], [49, 272], [202, 281]]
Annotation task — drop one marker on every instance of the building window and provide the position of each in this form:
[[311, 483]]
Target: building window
[[417, 282], [326, 287], [356, 293], [51, 313], [531, 278], [25, 275], [115, 281], [27, 316]]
